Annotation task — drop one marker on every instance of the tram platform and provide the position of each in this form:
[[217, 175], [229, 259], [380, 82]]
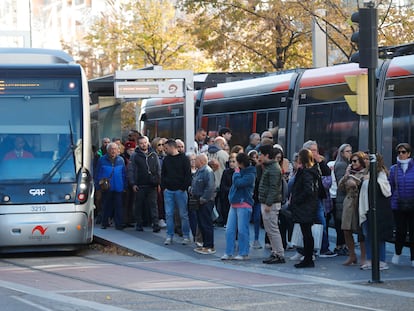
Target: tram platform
[[151, 245]]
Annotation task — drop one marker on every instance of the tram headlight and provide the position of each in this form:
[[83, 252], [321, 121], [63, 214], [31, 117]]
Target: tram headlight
[[6, 198]]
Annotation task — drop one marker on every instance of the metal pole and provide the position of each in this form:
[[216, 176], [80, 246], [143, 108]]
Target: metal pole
[[372, 188]]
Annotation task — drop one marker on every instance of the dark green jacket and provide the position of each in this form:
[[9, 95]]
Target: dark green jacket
[[270, 187]]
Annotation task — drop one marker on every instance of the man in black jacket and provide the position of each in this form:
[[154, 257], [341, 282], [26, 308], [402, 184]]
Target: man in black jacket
[[144, 175], [175, 180]]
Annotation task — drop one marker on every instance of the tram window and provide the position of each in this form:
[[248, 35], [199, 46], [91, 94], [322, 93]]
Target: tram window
[[330, 125], [274, 121], [216, 122], [402, 124], [241, 127], [171, 128]]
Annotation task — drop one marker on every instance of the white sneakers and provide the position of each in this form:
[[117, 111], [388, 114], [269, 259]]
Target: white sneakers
[[162, 224], [256, 244], [185, 241], [297, 256], [395, 259]]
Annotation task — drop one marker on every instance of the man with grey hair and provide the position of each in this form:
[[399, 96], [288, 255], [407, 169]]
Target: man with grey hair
[[203, 188], [111, 166], [254, 140], [265, 139]]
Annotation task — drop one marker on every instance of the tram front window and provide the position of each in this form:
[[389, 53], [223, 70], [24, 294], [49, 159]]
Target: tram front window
[[39, 145]]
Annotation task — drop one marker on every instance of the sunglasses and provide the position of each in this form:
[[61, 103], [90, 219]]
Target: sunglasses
[[160, 145], [354, 161], [402, 151]]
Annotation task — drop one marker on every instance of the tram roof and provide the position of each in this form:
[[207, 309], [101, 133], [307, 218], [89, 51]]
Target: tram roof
[[261, 85], [329, 75], [401, 66], [32, 56]]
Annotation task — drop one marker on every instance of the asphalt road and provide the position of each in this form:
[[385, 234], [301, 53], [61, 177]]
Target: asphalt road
[[174, 277]]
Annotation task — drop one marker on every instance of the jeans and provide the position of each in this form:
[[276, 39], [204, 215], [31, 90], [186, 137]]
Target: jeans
[[192, 218], [205, 222], [257, 216], [322, 220], [367, 235], [112, 207], [238, 222], [179, 199]]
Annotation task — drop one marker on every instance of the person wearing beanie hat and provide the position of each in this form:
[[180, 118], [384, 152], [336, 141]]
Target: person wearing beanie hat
[[129, 195], [130, 145]]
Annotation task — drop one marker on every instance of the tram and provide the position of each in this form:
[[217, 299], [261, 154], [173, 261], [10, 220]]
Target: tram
[[297, 106], [46, 186]]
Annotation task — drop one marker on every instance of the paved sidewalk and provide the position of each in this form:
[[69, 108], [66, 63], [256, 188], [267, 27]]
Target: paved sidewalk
[[399, 278]]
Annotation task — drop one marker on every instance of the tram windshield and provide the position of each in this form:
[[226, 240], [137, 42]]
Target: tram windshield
[[40, 131]]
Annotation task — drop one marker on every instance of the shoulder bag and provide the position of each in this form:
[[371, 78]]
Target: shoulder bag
[[105, 183]]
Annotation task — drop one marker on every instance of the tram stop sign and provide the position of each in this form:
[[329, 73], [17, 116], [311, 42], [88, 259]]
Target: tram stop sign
[[134, 89], [158, 83]]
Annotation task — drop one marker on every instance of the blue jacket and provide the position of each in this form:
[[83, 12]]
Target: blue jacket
[[405, 183], [243, 186], [104, 170]]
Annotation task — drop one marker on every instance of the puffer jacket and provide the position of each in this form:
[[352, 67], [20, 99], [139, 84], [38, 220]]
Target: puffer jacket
[[116, 170], [403, 181], [304, 197], [270, 187]]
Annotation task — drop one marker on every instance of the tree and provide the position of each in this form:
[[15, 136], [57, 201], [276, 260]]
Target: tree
[[276, 34], [395, 24], [137, 33], [251, 35]]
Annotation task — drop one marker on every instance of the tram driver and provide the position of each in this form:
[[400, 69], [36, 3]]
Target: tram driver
[[19, 151]]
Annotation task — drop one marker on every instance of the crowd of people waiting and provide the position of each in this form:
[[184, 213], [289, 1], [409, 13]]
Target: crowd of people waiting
[[141, 183]]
